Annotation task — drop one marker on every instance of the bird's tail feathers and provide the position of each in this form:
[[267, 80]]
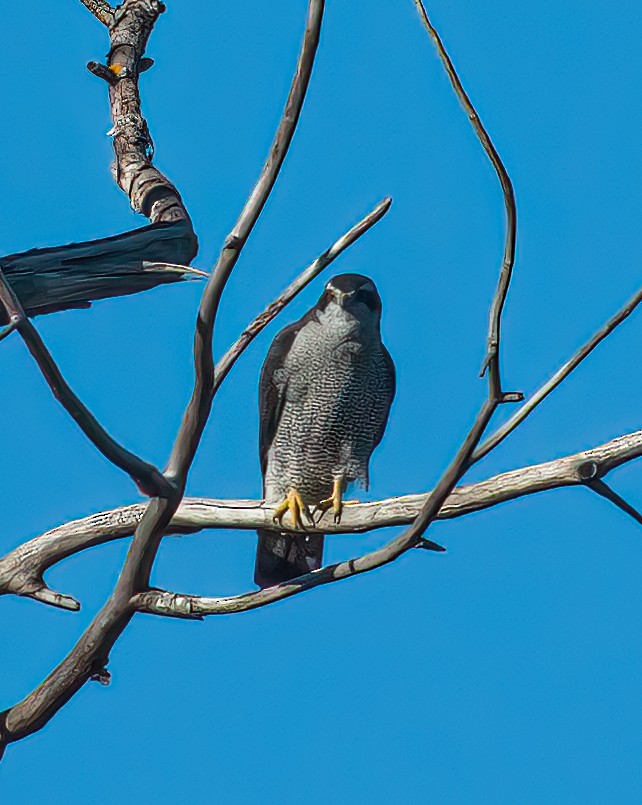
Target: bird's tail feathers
[[281, 557]]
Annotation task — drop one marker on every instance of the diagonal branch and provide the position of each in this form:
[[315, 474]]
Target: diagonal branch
[[302, 281], [90, 655], [553, 382], [603, 489], [148, 479]]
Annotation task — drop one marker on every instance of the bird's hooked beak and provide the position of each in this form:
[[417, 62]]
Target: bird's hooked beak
[[342, 297]]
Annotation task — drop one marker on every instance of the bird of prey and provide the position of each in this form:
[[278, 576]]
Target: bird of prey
[[64, 277], [325, 393]]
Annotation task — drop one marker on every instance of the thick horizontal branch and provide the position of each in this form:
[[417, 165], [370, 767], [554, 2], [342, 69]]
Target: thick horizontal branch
[[76, 274], [24, 567]]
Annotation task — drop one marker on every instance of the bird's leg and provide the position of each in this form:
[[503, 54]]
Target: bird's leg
[[335, 501], [293, 503]]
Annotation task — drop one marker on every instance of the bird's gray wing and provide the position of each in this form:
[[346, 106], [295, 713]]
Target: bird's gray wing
[[280, 556], [272, 387], [387, 394]]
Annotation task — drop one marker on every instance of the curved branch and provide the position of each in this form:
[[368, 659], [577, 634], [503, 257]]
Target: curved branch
[[580, 469], [148, 478], [24, 567], [491, 361]]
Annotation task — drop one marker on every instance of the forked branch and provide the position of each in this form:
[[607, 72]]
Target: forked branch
[[133, 23]]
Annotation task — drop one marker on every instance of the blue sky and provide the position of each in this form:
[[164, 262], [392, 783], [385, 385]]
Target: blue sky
[[506, 670]]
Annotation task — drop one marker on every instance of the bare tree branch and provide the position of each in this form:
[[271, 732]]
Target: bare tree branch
[[605, 491], [148, 479], [149, 191], [553, 382], [101, 10], [77, 274], [22, 569], [509, 201], [88, 659]]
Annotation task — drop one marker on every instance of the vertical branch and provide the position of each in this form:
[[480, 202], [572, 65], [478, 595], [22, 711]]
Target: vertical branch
[[149, 191], [491, 361]]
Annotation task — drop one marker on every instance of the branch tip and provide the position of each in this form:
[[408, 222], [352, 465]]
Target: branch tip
[[605, 491], [512, 397], [102, 71], [102, 675], [428, 545], [47, 596]]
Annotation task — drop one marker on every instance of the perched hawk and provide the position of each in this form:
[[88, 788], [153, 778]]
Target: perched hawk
[[324, 396]]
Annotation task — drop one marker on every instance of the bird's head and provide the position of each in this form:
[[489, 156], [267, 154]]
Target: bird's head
[[355, 294]]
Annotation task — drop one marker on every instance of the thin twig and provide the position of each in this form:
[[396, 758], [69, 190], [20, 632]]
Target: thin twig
[[225, 363], [603, 489], [553, 382], [6, 331], [175, 268], [509, 202], [149, 480]]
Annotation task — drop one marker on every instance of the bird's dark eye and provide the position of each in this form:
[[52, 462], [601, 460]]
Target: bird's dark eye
[[367, 297]]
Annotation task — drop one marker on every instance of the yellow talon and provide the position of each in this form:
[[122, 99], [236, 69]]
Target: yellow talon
[[335, 501], [294, 504]]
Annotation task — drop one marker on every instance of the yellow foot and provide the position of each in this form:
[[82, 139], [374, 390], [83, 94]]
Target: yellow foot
[[335, 501], [294, 504]]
